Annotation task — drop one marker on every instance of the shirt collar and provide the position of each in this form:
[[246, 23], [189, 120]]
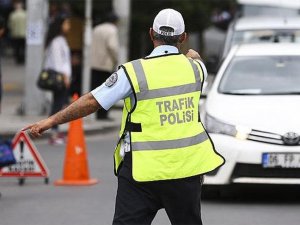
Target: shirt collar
[[163, 49]]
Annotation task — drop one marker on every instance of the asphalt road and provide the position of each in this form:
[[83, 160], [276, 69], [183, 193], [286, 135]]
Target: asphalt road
[[40, 204]]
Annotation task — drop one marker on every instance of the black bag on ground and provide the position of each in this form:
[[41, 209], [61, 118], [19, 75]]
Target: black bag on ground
[[51, 80], [7, 157]]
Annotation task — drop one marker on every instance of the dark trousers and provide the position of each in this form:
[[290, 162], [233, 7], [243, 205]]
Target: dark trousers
[[19, 50], [98, 78], [58, 101], [138, 202]]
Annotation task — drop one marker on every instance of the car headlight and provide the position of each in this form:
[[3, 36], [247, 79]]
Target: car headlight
[[216, 126]]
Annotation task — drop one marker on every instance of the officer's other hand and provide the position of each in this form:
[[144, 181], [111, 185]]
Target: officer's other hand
[[193, 54], [36, 129]]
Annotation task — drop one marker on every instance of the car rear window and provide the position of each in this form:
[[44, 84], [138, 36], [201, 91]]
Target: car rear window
[[256, 10], [263, 36]]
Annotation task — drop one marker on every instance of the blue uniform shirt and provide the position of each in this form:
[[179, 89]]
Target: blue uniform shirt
[[120, 88]]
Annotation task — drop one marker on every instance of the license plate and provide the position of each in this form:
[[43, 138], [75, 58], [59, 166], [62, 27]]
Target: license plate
[[281, 160]]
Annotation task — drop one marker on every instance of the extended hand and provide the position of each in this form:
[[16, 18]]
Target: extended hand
[[36, 129]]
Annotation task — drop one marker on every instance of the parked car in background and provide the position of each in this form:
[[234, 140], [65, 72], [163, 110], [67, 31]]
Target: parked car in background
[[213, 38], [252, 115], [264, 29], [268, 8]]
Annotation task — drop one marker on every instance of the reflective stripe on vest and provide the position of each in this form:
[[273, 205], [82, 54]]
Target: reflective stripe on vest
[[170, 142], [168, 91]]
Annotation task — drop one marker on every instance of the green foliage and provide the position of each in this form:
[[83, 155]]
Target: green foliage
[[195, 12]]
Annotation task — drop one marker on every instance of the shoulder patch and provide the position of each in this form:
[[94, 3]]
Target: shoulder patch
[[111, 80]]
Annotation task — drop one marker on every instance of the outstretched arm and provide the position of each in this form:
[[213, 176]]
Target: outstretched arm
[[84, 106]]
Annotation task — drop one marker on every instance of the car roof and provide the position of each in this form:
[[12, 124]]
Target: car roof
[[253, 23], [270, 49], [275, 3]]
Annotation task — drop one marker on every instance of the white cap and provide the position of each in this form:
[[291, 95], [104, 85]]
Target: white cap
[[169, 18]]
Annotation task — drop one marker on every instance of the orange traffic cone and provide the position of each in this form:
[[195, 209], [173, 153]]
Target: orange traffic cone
[[76, 170]]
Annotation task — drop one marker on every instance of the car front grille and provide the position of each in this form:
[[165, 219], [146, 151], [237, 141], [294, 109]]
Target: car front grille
[[267, 137], [256, 170]]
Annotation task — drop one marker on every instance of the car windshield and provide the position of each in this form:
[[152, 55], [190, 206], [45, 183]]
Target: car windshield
[[262, 75], [258, 36]]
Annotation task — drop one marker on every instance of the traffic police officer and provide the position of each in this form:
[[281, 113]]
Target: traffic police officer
[[163, 149]]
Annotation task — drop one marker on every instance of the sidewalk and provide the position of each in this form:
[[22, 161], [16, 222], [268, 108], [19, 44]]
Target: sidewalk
[[13, 79]]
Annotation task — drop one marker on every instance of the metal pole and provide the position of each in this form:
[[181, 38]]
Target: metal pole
[[37, 14], [86, 47], [122, 9]]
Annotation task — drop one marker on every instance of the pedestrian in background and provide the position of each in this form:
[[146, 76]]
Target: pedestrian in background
[[75, 41], [164, 149], [104, 54], [17, 28], [2, 29], [57, 58]]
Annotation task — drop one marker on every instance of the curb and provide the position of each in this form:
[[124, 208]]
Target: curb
[[87, 132], [90, 125]]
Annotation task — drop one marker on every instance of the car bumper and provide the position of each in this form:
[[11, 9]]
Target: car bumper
[[244, 163]]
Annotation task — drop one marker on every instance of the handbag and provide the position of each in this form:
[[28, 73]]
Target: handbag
[[7, 157], [50, 80]]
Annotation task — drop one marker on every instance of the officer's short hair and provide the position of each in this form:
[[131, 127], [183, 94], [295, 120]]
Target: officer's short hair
[[168, 40]]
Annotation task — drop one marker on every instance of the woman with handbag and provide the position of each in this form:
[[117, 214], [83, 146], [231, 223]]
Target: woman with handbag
[[57, 58]]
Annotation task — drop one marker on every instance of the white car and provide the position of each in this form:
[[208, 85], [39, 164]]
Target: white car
[[261, 30], [268, 7], [252, 114]]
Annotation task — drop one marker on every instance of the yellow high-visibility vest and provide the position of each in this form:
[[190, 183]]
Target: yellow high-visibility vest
[[167, 139]]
